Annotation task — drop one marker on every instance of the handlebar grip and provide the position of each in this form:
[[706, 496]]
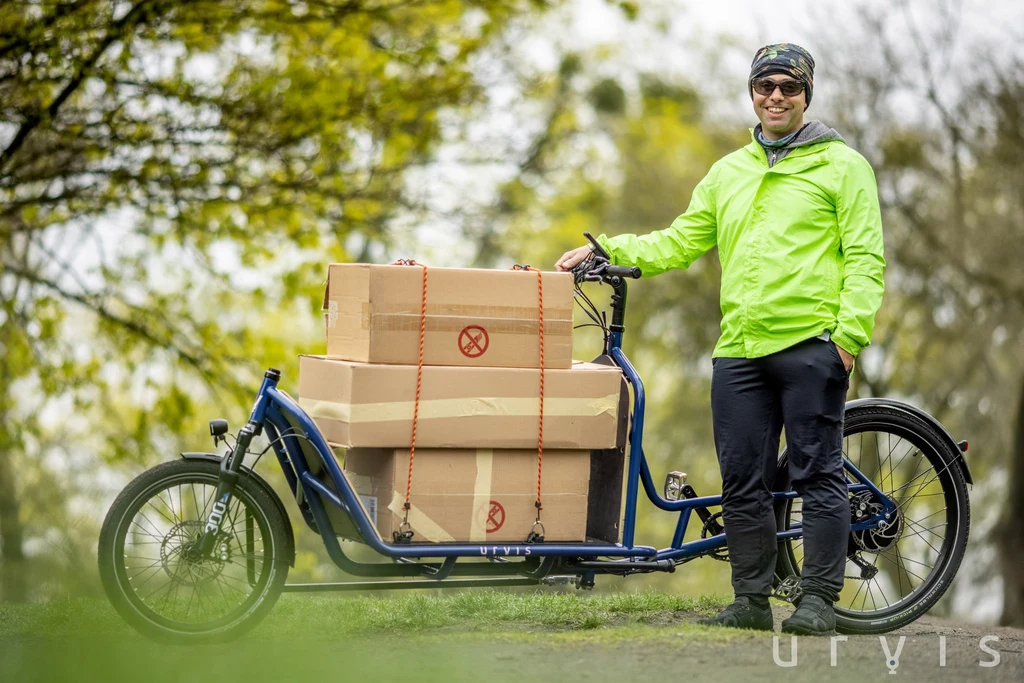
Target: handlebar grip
[[625, 271]]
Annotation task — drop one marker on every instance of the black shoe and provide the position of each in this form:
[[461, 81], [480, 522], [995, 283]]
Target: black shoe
[[814, 617], [743, 614]]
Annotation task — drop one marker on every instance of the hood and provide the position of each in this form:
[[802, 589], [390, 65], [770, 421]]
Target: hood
[[812, 133]]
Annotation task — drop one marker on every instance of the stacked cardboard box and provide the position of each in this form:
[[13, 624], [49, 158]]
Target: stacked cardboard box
[[475, 468]]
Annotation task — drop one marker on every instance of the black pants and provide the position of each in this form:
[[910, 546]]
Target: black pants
[[804, 389]]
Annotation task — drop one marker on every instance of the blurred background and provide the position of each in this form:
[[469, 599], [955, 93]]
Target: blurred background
[[176, 174]]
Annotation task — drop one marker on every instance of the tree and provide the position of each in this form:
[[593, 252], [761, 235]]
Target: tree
[[171, 168], [949, 169], [632, 170]]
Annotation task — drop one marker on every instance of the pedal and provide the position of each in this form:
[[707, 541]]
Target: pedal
[[674, 483], [788, 589]]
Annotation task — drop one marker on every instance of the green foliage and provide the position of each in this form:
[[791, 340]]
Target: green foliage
[[173, 176]]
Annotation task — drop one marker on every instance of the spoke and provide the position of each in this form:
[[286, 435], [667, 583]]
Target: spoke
[[915, 478], [221, 580], [925, 540], [906, 569], [157, 535], [921, 529], [141, 571], [138, 589], [854, 600], [142, 530], [878, 585], [188, 605], [899, 574], [929, 515], [170, 506]]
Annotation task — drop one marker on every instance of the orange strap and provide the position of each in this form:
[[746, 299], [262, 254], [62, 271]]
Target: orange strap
[[419, 379], [540, 427]]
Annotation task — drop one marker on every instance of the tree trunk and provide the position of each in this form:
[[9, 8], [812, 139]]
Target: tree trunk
[[1011, 529], [12, 553]]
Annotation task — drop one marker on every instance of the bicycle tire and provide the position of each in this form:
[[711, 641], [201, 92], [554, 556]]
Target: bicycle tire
[[267, 518], [942, 458]]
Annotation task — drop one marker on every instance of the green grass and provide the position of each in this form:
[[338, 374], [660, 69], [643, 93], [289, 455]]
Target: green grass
[[417, 636], [414, 613]]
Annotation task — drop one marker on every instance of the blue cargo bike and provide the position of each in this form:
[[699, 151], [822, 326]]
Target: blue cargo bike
[[198, 549]]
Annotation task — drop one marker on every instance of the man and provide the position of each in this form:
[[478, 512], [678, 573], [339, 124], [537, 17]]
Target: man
[[796, 220]]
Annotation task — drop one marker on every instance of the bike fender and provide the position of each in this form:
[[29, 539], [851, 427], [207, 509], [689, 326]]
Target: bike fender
[[289, 550], [917, 412]]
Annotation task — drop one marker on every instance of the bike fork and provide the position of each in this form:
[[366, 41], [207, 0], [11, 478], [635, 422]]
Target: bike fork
[[226, 482]]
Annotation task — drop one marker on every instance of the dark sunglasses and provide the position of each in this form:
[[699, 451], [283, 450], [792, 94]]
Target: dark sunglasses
[[766, 86]]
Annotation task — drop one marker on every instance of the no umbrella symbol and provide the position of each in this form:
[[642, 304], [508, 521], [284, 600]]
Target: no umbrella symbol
[[473, 341], [495, 516]]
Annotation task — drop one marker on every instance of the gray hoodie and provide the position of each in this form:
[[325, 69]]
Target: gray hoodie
[[812, 133]]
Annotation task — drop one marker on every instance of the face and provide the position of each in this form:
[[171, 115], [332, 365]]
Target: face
[[779, 115]]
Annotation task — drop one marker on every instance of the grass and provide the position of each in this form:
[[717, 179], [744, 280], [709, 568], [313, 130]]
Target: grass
[[420, 636], [345, 615]]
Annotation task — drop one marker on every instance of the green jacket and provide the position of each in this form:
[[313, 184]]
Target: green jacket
[[800, 245]]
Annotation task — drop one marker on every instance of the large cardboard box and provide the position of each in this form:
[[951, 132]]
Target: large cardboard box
[[365, 405], [476, 495], [474, 317]]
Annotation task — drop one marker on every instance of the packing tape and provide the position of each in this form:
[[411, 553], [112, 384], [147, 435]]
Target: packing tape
[[481, 495], [489, 311], [411, 323], [506, 406], [424, 526]]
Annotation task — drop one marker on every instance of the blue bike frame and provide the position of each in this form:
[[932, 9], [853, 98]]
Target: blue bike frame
[[278, 414]]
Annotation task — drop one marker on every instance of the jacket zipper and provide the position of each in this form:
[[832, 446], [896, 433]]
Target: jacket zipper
[[773, 158]]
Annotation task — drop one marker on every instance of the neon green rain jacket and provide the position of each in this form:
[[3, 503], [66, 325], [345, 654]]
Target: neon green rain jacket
[[800, 245]]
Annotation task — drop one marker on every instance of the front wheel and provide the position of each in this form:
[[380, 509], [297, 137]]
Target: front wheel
[[164, 593], [893, 575]]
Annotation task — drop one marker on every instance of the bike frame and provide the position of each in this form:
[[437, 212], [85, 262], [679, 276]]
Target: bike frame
[[275, 412]]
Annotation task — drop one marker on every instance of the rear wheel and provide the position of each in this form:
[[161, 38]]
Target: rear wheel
[[149, 576], [893, 575]]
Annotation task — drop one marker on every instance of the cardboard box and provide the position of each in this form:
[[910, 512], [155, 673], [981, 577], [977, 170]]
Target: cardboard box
[[476, 495], [364, 405], [474, 317]]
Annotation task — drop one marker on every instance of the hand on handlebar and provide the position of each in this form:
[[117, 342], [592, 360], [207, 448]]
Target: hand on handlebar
[[573, 258], [593, 263]]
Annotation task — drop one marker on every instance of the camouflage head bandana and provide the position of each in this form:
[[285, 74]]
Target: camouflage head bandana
[[783, 58]]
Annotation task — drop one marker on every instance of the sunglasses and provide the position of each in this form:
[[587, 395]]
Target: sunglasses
[[766, 86]]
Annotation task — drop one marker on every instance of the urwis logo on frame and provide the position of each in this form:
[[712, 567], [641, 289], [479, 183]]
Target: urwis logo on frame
[[891, 656]]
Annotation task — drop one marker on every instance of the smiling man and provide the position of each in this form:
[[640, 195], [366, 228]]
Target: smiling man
[[796, 220]]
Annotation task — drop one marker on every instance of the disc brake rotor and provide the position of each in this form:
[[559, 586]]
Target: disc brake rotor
[[877, 539], [182, 568]]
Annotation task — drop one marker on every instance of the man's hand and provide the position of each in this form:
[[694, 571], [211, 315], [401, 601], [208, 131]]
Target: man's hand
[[847, 358], [571, 259]]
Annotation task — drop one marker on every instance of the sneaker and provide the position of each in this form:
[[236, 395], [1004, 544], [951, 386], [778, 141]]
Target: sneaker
[[743, 614], [813, 617]]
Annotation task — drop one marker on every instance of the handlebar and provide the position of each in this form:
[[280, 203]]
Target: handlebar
[[598, 267], [624, 271]]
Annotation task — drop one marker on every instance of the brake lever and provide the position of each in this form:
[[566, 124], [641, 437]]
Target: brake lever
[[590, 269]]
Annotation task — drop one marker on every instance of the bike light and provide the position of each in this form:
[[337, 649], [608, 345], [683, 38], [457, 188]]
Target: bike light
[[218, 428]]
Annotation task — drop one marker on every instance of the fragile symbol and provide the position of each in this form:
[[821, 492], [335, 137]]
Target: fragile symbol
[[495, 517], [473, 341]]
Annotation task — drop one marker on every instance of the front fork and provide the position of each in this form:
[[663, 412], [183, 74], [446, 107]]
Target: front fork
[[226, 482]]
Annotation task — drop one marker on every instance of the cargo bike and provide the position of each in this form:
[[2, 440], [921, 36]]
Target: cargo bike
[[198, 549]]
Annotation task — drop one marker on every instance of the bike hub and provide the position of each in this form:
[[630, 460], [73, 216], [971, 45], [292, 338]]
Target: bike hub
[[875, 539]]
